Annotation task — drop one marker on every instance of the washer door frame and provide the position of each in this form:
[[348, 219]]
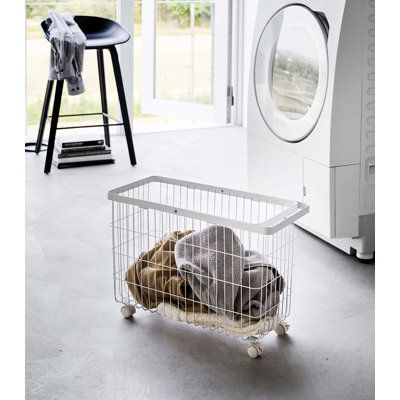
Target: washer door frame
[[282, 127]]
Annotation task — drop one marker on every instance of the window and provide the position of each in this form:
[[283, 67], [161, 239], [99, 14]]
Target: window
[[184, 68], [186, 54]]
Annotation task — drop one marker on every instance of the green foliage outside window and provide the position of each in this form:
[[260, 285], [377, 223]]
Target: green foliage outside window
[[181, 13]]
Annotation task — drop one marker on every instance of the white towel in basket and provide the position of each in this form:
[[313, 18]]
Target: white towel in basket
[[225, 277], [244, 327]]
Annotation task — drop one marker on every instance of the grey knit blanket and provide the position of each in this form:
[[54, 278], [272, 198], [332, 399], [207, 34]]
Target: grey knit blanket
[[227, 278], [67, 51], [261, 287]]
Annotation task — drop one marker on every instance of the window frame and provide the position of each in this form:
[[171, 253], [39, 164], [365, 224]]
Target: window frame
[[220, 110]]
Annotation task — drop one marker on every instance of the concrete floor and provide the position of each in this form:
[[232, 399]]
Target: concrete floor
[[79, 346]]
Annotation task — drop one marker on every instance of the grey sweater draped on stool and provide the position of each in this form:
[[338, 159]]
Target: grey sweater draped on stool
[[228, 279], [67, 51]]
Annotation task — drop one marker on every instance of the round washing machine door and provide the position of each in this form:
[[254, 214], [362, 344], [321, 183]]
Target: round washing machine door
[[291, 72]]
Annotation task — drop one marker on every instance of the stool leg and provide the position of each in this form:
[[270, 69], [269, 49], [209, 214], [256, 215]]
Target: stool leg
[[103, 94], [122, 104], [43, 118], [53, 125]]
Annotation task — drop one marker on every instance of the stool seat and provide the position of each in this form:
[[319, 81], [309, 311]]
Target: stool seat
[[100, 33]]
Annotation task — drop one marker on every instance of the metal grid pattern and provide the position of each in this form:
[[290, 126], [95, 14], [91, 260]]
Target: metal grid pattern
[[146, 212]]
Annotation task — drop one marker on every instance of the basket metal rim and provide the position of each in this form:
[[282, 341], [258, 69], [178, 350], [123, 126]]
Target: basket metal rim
[[272, 225]]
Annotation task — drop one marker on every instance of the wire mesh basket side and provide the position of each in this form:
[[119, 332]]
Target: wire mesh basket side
[[136, 230]]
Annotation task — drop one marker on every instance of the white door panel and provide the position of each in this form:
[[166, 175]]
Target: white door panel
[[333, 196], [347, 197], [273, 170], [319, 195], [196, 85]]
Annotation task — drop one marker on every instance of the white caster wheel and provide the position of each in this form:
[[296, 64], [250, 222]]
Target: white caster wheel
[[127, 310], [282, 328], [254, 350]]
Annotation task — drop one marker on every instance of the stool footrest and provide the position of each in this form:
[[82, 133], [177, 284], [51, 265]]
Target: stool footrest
[[118, 123], [84, 114], [87, 126], [77, 115]]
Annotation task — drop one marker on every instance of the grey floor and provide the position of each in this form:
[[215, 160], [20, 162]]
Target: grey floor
[[78, 345]]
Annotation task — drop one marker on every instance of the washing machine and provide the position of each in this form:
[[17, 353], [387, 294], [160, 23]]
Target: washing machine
[[311, 121]]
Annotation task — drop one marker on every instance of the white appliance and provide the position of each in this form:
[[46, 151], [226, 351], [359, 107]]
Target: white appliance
[[311, 112]]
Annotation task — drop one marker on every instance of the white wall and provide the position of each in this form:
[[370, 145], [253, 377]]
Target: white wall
[[250, 12]]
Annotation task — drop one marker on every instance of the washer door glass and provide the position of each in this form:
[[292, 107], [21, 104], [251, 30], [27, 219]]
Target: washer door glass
[[291, 72]]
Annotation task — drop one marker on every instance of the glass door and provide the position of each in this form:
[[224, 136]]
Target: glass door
[[291, 72], [186, 59]]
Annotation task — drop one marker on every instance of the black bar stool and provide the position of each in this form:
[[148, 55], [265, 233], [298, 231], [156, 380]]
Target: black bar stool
[[101, 34]]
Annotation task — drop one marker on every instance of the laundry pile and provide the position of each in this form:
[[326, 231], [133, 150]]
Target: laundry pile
[[206, 271]]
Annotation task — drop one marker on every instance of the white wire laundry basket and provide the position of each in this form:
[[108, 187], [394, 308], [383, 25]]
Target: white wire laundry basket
[[205, 255]]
